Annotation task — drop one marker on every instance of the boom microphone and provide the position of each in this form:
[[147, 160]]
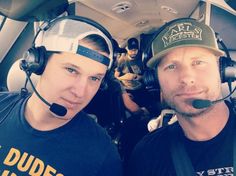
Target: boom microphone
[[204, 103], [201, 103], [55, 108]]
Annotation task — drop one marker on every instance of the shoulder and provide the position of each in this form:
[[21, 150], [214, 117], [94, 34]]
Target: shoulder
[[88, 133], [8, 97], [151, 153], [102, 146], [10, 100], [157, 138], [89, 128], [152, 144]]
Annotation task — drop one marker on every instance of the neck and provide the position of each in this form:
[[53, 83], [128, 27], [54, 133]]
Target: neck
[[39, 116], [207, 125]]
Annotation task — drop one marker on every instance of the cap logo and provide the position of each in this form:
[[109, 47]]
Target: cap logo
[[180, 32]]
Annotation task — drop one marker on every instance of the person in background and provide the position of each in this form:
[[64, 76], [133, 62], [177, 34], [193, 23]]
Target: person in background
[[113, 112], [137, 99], [38, 140], [202, 141], [129, 72]]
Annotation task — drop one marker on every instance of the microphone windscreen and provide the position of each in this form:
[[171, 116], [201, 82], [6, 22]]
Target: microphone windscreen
[[58, 109], [200, 104]]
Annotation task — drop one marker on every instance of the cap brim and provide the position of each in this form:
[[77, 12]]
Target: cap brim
[[153, 61], [132, 48]]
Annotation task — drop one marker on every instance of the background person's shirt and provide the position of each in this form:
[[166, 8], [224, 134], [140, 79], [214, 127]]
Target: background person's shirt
[[125, 65]]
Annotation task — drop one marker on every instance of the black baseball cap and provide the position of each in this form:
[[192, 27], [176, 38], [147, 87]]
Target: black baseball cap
[[133, 44]]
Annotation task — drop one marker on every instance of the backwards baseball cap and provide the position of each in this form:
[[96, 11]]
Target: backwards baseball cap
[[181, 33], [132, 44], [64, 34]]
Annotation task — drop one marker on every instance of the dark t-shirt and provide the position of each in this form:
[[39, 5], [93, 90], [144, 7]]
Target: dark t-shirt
[[80, 147], [152, 157]]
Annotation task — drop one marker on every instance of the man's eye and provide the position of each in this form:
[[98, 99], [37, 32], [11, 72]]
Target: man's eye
[[198, 62], [94, 78], [170, 67], [71, 70]]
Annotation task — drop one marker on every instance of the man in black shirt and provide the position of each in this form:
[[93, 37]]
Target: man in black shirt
[[186, 60], [47, 133]]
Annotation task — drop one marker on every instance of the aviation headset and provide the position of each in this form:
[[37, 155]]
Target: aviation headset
[[151, 78], [35, 59]]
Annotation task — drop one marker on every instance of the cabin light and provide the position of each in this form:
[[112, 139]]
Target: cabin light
[[141, 23], [121, 7], [169, 9]]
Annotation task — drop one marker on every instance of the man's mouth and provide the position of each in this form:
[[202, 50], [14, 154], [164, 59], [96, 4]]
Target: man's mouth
[[70, 103], [189, 94]]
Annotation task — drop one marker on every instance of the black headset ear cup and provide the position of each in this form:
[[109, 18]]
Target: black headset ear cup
[[35, 60], [225, 62]]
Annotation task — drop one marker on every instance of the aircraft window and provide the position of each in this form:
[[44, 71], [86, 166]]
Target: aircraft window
[[224, 23], [2, 21]]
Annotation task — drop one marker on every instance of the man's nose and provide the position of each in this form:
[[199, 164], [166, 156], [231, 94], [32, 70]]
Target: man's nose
[[79, 87], [187, 75]]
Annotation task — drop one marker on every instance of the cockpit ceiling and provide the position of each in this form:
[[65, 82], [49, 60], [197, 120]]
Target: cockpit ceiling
[[129, 18]]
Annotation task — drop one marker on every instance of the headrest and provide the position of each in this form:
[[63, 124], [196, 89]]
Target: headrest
[[16, 78]]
